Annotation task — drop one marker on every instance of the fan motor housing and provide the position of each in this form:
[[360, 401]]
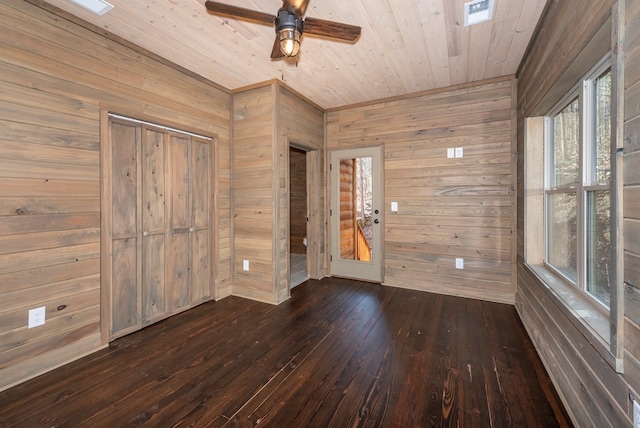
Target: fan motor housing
[[286, 19]]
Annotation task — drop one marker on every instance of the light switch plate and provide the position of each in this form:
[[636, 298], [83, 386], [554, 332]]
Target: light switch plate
[[459, 263], [451, 153], [245, 265], [394, 207], [459, 152]]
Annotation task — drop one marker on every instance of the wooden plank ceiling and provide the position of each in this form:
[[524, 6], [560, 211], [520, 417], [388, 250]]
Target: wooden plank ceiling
[[406, 45]]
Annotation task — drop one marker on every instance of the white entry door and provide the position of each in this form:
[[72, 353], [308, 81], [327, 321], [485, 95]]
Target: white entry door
[[357, 213]]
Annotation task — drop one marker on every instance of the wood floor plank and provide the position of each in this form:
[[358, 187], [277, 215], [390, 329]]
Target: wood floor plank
[[300, 391], [271, 348], [338, 353]]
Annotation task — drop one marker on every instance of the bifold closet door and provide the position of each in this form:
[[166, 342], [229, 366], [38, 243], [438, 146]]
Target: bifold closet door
[[201, 220], [160, 193], [190, 222], [125, 275]]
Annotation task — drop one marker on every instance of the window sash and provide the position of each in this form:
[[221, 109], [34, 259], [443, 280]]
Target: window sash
[[577, 217]]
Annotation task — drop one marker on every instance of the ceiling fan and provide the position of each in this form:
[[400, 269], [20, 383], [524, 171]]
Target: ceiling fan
[[289, 25]]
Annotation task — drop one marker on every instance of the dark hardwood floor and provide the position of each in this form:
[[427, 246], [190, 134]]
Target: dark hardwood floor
[[339, 353]]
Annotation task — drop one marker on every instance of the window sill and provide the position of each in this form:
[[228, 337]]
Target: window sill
[[586, 315]]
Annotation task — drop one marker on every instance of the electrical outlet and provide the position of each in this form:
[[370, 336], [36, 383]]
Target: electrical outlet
[[37, 316], [245, 265], [451, 153], [636, 414], [459, 263]]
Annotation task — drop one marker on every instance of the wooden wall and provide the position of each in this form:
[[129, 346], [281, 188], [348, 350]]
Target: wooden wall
[[297, 200], [593, 393], [631, 196], [55, 77], [254, 182], [301, 123], [448, 208], [267, 119]]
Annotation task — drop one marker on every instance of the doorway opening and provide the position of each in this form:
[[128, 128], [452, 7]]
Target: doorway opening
[[298, 216]]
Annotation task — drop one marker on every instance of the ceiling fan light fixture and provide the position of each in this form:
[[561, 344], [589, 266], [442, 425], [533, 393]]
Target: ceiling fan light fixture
[[289, 31], [289, 41]]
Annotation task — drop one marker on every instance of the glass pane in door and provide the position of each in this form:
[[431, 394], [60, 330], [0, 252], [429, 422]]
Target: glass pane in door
[[356, 202]]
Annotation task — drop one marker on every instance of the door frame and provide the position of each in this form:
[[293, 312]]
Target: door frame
[[376, 273], [314, 211]]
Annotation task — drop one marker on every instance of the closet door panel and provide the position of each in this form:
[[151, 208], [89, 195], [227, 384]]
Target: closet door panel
[[124, 180], [179, 157], [125, 302], [201, 261], [154, 297], [153, 182], [180, 271], [201, 171]]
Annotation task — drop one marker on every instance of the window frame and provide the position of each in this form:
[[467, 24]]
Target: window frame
[[583, 92], [605, 332]]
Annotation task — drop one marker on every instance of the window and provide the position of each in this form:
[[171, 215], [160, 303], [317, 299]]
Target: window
[[577, 185]]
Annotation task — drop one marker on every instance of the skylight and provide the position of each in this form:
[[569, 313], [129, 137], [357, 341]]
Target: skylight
[[98, 7], [477, 11]]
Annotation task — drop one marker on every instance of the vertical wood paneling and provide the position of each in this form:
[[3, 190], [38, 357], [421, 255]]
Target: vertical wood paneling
[[448, 208], [56, 76], [297, 200], [593, 392]]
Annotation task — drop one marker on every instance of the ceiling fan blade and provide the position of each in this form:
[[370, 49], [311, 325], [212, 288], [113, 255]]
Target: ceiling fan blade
[[300, 6], [276, 53], [330, 29], [240, 13]]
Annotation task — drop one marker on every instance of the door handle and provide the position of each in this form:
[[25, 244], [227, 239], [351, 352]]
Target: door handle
[[376, 221]]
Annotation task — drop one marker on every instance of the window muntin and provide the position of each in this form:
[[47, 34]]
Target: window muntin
[[577, 190]]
